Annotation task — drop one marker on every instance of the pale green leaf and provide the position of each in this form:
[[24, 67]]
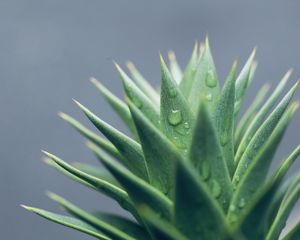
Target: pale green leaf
[[257, 171], [101, 142], [174, 67], [242, 83], [139, 99], [119, 106], [260, 117], [189, 73], [225, 119], [262, 135], [250, 114], [142, 83], [206, 81], [176, 117]]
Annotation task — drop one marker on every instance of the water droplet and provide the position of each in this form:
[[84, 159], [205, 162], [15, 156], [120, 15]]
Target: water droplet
[[237, 179], [205, 170], [172, 92], [175, 117], [242, 203], [186, 125], [211, 81], [216, 189], [208, 97], [224, 138], [232, 208]]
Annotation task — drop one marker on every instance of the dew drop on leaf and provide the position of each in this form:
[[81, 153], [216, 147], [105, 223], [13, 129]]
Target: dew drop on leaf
[[172, 92], [174, 117], [208, 97], [210, 81], [242, 203], [216, 189], [205, 170]]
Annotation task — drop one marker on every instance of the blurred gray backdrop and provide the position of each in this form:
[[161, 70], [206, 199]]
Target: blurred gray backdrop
[[49, 49]]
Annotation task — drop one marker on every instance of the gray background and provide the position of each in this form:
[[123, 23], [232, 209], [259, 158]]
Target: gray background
[[49, 49]]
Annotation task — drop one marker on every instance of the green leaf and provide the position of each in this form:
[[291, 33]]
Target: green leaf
[[139, 191], [174, 67], [97, 172], [89, 218], [189, 73], [250, 114], [139, 99], [275, 204], [256, 215], [242, 82], [119, 106], [196, 212], [176, 117], [287, 205], [225, 119], [68, 222], [262, 135], [130, 150], [159, 228], [260, 117], [294, 234], [106, 145], [206, 81], [206, 157], [142, 83], [101, 185], [160, 154], [123, 224], [257, 171]]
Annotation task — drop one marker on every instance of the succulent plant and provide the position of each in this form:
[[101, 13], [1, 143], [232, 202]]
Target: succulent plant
[[192, 167]]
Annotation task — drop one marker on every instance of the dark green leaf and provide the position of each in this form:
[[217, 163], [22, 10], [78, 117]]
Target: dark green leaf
[[96, 172], [125, 225], [139, 191], [89, 218], [103, 186], [196, 212], [69, 222], [130, 150], [160, 154], [159, 228], [206, 157]]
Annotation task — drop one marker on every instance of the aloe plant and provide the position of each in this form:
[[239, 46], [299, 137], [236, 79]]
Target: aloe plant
[[190, 169]]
